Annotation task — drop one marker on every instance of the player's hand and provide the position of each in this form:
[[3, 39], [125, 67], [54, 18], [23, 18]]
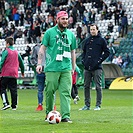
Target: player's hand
[[39, 69]]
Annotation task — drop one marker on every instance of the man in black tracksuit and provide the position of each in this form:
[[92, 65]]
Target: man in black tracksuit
[[95, 51]]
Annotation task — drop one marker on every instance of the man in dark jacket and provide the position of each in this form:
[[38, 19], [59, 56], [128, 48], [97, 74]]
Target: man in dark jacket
[[95, 51]]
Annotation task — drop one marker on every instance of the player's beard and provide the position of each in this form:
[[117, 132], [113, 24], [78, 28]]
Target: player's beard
[[62, 26]]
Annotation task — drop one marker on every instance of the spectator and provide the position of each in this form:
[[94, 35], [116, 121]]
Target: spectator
[[14, 10], [16, 18], [21, 18], [78, 30], [124, 25], [33, 5], [109, 13], [49, 4], [112, 52], [81, 11], [44, 25], [36, 32], [18, 34], [12, 32], [38, 18], [26, 4], [75, 14], [113, 3], [12, 26], [70, 21], [8, 14], [126, 60], [122, 12], [52, 11], [92, 65], [1, 18], [27, 52], [119, 5], [61, 2], [104, 14], [104, 6], [84, 30], [115, 60], [117, 16], [50, 21], [107, 38], [6, 33], [92, 16], [28, 33], [110, 27], [86, 17], [119, 61]]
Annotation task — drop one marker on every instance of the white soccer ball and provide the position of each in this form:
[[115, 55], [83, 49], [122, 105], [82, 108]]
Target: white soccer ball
[[54, 117]]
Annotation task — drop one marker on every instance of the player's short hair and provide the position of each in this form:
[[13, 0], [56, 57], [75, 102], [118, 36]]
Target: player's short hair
[[94, 25], [9, 40]]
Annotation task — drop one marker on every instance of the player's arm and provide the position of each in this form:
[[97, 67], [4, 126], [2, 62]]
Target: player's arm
[[73, 56], [21, 64], [40, 58], [3, 58]]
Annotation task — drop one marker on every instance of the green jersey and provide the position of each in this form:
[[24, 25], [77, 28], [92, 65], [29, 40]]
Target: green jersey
[[59, 46]]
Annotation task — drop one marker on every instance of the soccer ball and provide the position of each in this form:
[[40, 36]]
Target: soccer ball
[[54, 117]]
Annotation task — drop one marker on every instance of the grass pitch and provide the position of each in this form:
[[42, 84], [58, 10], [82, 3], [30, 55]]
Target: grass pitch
[[115, 115]]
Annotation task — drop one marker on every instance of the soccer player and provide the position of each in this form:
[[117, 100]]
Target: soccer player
[[9, 65]]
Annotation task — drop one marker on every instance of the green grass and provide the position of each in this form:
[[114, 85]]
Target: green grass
[[114, 117]]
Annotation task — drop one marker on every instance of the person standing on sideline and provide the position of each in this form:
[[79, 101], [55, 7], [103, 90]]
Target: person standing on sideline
[[10, 62], [59, 45], [95, 51]]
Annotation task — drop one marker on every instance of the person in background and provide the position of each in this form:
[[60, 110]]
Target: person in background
[[16, 18], [74, 92], [124, 25], [112, 52], [126, 60], [110, 27], [9, 65], [39, 76], [84, 31], [119, 61], [27, 52], [59, 45], [95, 51], [114, 60]]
